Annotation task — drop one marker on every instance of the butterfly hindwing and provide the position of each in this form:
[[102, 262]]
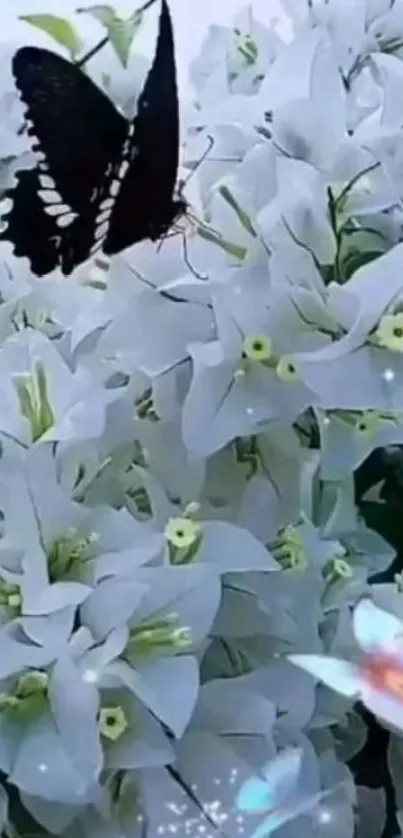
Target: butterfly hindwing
[[31, 231], [145, 206]]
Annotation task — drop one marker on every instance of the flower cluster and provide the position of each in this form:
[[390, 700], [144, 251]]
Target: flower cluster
[[179, 532]]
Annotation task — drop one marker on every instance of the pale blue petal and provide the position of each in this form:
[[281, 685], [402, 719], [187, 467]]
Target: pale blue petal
[[44, 769], [124, 562], [191, 591], [94, 661], [74, 705], [54, 816], [145, 745], [228, 706], [55, 597], [14, 656], [167, 686], [233, 548], [111, 604], [59, 625], [12, 733]]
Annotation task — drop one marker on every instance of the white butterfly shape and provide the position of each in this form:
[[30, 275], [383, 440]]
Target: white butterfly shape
[[276, 793], [377, 680]]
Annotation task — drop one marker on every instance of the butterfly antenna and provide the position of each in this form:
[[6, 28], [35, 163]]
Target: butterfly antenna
[[187, 260], [101, 44], [210, 144]]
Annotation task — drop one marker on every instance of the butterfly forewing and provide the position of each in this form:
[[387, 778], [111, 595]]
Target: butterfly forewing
[[145, 206], [79, 136], [72, 122], [101, 182]]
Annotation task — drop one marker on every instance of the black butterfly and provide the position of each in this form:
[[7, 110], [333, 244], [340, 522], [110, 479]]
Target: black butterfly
[[103, 182]]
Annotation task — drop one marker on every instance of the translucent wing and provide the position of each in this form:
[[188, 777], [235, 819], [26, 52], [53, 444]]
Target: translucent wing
[[297, 807], [376, 630], [144, 207], [255, 796], [281, 773], [340, 675]]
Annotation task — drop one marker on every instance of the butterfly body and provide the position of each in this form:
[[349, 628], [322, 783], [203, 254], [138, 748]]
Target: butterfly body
[[102, 182]]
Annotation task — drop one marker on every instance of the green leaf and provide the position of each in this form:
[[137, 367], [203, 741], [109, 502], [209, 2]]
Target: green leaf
[[233, 249], [120, 32], [356, 259], [58, 28], [242, 215]]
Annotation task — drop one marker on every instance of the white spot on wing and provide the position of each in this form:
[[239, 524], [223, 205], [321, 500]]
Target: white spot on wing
[[47, 182], [57, 209], [95, 247], [123, 169], [114, 188], [66, 220], [107, 204], [101, 231], [49, 196], [103, 216]]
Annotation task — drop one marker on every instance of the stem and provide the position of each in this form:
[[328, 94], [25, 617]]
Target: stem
[[101, 44]]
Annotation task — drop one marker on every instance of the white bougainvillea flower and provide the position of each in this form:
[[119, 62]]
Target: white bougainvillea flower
[[160, 617], [377, 680], [43, 399], [147, 347], [241, 380], [190, 541], [312, 129], [348, 437]]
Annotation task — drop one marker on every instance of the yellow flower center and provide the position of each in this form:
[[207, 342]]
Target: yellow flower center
[[389, 333], [112, 722], [286, 370], [257, 348], [182, 532]]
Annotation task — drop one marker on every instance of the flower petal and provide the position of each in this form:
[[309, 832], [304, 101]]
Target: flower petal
[[168, 687], [44, 769], [57, 596], [111, 604], [74, 703], [233, 548]]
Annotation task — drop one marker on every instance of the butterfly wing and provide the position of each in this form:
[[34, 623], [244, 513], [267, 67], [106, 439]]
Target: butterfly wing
[[254, 796], [281, 773], [299, 806], [31, 231], [78, 133], [377, 630], [339, 675], [74, 124], [144, 207]]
